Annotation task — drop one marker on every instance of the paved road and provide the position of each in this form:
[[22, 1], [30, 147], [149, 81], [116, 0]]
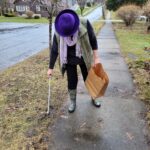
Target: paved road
[[95, 15], [118, 124], [19, 41], [22, 42]]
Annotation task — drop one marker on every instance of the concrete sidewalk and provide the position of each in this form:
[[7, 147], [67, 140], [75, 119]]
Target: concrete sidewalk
[[118, 124]]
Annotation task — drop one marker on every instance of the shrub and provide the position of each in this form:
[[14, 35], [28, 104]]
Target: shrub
[[36, 17], [88, 4], [148, 29], [93, 3], [29, 14], [129, 14], [11, 11], [147, 11], [0, 11], [116, 4], [9, 15], [16, 13]]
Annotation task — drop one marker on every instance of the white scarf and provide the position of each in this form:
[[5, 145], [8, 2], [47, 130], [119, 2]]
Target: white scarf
[[64, 41]]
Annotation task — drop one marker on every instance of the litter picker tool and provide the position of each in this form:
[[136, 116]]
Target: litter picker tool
[[49, 96]]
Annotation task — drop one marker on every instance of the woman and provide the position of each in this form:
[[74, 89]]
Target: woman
[[76, 44]]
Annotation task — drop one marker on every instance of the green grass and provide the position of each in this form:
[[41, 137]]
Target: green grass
[[86, 10], [22, 20], [114, 16], [133, 42], [97, 25]]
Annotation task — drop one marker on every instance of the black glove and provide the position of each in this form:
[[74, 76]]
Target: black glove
[[63, 69]]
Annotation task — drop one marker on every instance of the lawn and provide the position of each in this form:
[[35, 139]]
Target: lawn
[[22, 20], [86, 11], [114, 16], [133, 40], [23, 102], [135, 45], [97, 25]]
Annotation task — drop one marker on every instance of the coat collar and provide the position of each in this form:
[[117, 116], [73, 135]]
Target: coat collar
[[82, 30]]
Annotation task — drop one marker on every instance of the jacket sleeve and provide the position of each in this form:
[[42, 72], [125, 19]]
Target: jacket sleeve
[[53, 53], [92, 36]]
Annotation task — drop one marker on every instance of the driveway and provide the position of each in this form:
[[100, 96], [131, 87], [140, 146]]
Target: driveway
[[19, 41]]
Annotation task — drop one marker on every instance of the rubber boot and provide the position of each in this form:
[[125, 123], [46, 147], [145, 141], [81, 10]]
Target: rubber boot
[[96, 103], [72, 105]]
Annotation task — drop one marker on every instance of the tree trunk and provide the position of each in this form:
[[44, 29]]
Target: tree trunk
[[103, 12], [50, 32], [50, 27], [148, 29], [81, 11]]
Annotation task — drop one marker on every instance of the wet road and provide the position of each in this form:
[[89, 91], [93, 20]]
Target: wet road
[[19, 41], [95, 15]]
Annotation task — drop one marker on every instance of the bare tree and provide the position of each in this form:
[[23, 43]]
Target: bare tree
[[2, 7], [81, 5], [53, 7]]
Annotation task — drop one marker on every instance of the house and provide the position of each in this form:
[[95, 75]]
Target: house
[[10, 5], [38, 8], [21, 6], [70, 3], [6, 6]]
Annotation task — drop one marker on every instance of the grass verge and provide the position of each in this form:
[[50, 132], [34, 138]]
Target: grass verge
[[86, 11], [23, 20], [23, 101], [97, 25], [135, 45], [114, 15]]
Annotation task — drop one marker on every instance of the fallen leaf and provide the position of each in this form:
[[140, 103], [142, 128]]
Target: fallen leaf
[[64, 117], [83, 124], [129, 135], [76, 139]]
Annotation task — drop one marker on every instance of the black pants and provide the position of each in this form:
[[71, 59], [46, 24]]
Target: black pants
[[72, 75]]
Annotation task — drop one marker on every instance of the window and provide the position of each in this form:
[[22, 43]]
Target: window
[[38, 8], [27, 8], [20, 8]]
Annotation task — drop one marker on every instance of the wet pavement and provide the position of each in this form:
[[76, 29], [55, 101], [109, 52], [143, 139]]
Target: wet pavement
[[118, 124], [12, 26], [95, 15], [19, 41]]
